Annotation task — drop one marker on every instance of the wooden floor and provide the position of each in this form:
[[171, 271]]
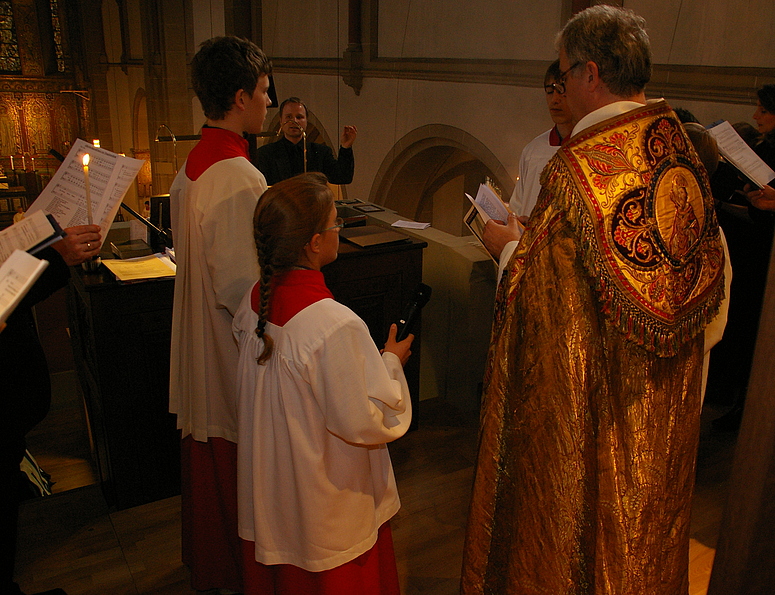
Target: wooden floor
[[71, 540]]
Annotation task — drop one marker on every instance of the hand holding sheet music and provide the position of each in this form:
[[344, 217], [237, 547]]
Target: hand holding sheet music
[[32, 234], [110, 176], [738, 153], [486, 207], [17, 275]]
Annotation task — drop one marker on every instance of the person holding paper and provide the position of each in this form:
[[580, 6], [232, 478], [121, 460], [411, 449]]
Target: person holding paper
[[317, 405], [212, 201], [750, 245], [284, 158], [26, 384], [499, 239], [764, 198], [592, 393]]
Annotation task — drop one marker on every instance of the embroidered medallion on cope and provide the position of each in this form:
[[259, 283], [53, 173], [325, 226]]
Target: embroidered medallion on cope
[[639, 197]]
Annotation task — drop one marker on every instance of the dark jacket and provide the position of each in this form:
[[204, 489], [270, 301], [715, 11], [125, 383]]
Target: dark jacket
[[282, 159]]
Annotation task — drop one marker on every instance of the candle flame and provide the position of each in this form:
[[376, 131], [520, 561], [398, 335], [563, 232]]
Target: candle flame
[[86, 159]]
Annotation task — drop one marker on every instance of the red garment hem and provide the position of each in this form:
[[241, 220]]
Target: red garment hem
[[210, 543], [372, 573]]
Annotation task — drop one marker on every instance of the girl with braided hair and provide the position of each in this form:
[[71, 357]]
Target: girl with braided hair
[[317, 404]]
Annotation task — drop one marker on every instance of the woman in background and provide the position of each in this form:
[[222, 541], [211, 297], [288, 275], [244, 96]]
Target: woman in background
[[764, 198], [750, 244], [317, 403]]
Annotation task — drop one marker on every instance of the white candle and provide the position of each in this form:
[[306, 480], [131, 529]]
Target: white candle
[[12, 168], [88, 190]]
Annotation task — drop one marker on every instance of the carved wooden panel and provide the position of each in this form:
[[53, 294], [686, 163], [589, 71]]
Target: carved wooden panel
[[33, 123]]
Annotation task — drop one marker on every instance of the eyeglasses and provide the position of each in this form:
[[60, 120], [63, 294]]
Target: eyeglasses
[[339, 225], [559, 86]]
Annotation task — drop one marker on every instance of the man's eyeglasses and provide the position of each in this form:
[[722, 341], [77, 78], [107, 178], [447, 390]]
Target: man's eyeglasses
[[339, 225], [559, 85]]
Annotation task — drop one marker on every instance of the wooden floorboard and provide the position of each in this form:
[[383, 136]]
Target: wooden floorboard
[[71, 540]]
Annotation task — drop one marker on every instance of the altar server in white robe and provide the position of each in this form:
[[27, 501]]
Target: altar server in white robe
[[317, 405], [212, 202]]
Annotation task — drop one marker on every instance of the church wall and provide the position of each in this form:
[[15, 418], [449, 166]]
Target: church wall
[[503, 116], [710, 32], [494, 30], [428, 63]]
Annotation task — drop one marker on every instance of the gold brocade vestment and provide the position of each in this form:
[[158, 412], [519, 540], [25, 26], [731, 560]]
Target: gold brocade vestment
[[590, 418]]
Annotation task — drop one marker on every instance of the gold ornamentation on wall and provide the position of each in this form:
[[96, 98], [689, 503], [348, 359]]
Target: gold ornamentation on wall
[[10, 128], [37, 117], [33, 123]]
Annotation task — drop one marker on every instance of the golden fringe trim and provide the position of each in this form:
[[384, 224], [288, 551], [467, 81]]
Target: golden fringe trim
[[664, 340]]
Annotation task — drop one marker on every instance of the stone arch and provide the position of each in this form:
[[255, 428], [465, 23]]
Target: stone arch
[[425, 174]]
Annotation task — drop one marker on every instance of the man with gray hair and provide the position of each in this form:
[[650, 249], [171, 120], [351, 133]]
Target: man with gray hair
[[592, 393]]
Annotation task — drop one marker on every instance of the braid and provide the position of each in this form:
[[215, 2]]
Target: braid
[[287, 215], [265, 293]]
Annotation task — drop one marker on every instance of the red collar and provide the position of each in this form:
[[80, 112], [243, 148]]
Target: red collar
[[555, 140], [215, 145], [291, 293]]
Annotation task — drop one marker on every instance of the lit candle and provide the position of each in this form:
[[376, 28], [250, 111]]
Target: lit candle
[[86, 185]]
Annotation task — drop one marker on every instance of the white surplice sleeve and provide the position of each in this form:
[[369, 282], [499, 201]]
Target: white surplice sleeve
[[363, 395], [227, 230]]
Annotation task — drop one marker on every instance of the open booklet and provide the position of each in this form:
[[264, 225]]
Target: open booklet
[[110, 176], [31, 234], [740, 155], [17, 275], [487, 205]]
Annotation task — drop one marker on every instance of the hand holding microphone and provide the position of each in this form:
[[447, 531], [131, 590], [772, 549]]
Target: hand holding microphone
[[420, 297], [399, 340]]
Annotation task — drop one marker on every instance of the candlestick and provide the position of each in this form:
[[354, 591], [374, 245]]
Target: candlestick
[[85, 160]]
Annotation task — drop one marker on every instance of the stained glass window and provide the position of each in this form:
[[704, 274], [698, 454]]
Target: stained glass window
[[9, 47], [56, 24]]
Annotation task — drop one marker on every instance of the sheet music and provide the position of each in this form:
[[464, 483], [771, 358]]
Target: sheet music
[[110, 176], [739, 154], [29, 232], [17, 274]]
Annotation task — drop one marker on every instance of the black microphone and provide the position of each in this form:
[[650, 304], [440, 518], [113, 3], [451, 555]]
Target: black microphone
[[422, 294]]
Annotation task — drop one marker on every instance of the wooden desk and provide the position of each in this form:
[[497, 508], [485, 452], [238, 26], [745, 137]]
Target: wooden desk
[[121, 340]]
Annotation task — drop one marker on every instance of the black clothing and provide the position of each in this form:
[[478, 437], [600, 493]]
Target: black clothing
[[25, 400], [283, 159], [749, 234]]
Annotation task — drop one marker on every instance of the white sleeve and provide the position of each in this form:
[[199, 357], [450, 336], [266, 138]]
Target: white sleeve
[[505, 257], [715, 330], [363, 395], [517, 201], [230, 250]]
